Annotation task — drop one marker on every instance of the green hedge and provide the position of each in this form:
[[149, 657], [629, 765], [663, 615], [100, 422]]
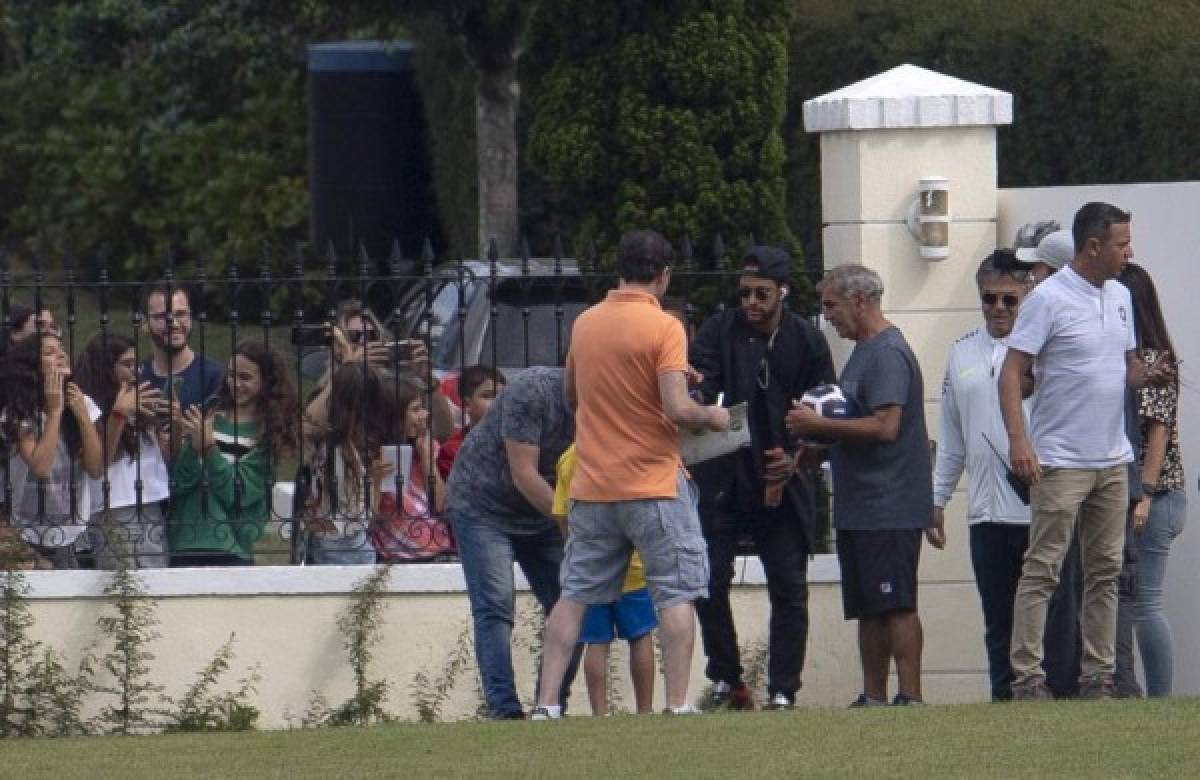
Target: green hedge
[[644, 117], [1105, 91]]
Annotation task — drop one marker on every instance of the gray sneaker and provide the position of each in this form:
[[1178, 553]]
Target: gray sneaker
[[1032, 690], [1098, 687]]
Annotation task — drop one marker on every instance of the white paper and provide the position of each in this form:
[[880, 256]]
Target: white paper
[[697, 446], [399, 457]]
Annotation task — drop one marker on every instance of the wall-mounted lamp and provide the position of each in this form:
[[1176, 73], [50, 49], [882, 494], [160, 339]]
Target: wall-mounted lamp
[[929, 217]]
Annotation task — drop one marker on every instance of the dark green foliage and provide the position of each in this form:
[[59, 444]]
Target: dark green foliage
[[431, 690], [447, 88], [1103, 89], [202, 709], [37, 696], [130, 629], [361, 625], [139, 124], [662, 116]]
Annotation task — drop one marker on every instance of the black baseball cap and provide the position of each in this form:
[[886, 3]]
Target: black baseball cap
[[769, 263]]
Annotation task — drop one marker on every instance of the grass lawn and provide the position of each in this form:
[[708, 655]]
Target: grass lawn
[[1067, 739]]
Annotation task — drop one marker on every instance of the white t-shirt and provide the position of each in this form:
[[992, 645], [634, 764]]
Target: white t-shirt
[[1078, 334], [125, 470], [58, 523]]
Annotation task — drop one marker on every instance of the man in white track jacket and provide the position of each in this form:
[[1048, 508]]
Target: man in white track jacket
[[997, 517]]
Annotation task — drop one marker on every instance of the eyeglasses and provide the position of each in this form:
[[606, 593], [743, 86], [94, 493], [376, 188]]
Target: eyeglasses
[[759, 293], [359, 336], [989, 299], [177, 316]]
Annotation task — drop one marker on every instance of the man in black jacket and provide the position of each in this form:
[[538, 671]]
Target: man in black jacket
[[765, 355]]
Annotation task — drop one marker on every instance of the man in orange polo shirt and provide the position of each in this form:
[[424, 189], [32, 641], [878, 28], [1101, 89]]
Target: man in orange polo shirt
[[627, 376]]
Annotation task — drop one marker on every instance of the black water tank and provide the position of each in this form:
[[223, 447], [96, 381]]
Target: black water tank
[[370, 171]]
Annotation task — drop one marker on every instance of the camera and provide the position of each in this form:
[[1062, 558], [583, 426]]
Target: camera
[[312, 335]]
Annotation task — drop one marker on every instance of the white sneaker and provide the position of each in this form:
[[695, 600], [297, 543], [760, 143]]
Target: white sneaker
[[548, 712], [686, 709], [780, 702]]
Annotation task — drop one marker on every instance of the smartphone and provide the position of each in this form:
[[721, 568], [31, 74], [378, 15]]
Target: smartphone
[[401, 351], [176, 388], [312, 335], [210, 404]]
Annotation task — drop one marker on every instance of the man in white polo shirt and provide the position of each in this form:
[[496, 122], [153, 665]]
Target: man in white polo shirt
[[1076, 330]]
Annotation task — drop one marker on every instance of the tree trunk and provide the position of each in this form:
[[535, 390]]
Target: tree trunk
[[496, 100]]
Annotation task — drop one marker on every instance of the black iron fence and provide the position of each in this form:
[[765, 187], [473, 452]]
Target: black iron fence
[[315, 458]]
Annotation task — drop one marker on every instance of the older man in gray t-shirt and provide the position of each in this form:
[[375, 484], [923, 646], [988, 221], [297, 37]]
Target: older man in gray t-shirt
[[499, 501], [882, 482]]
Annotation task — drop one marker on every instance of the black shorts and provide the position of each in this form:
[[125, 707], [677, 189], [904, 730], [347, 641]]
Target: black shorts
[[879, 571]]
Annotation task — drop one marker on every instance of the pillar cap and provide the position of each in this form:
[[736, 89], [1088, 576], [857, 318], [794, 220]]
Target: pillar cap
[[908, 97]]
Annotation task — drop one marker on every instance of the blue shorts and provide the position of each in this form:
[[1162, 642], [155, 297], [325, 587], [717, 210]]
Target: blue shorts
[[632, 616]]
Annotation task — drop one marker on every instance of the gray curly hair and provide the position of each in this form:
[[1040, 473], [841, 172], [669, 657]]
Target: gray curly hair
[[853, 280]]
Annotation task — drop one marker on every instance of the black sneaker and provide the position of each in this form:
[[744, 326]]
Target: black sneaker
[[864, 700], [903, 700]]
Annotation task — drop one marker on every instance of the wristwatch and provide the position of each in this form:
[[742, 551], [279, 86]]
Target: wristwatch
[[1150, 490]]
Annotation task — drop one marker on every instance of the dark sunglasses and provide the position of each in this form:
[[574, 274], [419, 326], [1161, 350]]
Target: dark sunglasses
[[359, 336], [989, 299], [759, 293]]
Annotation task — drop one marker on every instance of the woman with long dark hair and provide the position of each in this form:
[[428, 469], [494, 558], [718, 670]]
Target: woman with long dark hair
[[1160, 515], [52, 448], [222, 478], [346, 472], [127, 520]]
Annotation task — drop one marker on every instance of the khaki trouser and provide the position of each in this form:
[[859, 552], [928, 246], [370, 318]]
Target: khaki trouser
[[1099, 497]]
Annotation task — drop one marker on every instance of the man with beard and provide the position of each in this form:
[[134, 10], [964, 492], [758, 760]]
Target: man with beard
[[184, 376], [765, 355]]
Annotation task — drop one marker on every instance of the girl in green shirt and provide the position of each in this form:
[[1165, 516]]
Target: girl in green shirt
[[221, 480]]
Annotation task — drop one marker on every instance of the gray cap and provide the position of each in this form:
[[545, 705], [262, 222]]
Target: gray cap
[[1055, 250], [1031, 233]]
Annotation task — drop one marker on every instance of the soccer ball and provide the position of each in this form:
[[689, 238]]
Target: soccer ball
[[827, 401]]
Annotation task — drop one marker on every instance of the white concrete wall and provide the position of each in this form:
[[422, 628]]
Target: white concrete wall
[[1166, 234], [285, 621]]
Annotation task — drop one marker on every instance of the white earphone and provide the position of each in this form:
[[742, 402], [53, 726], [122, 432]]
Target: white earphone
[[783, 291]]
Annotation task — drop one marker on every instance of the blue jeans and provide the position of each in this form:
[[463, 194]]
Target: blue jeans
[[488, 550], [1168, 513]]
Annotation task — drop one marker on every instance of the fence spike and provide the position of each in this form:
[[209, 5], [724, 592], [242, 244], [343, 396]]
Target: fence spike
[[298, 260], [396, 258], [718, 252], [427, 256], [593, 257], [557, 249], [686, 253], [525, 256]]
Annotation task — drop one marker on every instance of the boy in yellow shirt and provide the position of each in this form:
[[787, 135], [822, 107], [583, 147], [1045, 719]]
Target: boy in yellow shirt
[[632, 618]]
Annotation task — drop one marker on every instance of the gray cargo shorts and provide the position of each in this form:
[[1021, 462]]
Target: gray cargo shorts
[[664, 531]]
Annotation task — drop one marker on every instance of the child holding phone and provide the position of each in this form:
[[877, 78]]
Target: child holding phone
[[233, 450], [127, 520]]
